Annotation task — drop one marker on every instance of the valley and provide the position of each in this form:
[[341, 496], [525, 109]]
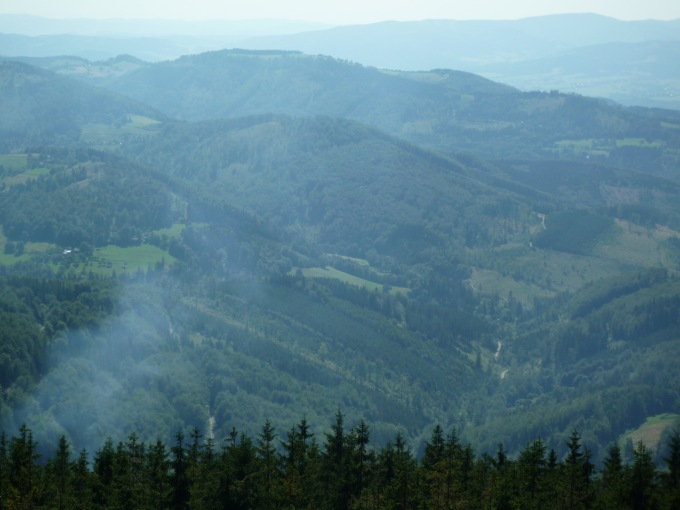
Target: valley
[[240, 236]]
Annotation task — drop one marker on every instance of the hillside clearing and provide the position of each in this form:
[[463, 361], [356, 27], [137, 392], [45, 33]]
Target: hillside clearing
[[331, 272]]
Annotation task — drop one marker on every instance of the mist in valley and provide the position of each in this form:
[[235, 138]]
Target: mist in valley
[[217, 227]]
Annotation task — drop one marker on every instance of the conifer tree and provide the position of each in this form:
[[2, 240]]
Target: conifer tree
[[179, 479], [269, 471], [578, 473], [337, 485], [60, 474], [4, 471], [136, 453], [205, 488], [293, 465], [671, 479], [494, 494], [642, 482], [360, 466], [241, 464], [158, 467], [531, 469], [103, 469], [23, 470], [436, 472], [403, 484], [611, 493], [83, 496]]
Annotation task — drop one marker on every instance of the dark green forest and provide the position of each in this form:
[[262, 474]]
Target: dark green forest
[[336, 470], [254, 237]]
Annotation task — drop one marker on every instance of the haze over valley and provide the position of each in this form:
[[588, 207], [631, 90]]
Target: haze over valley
[[237, 229]]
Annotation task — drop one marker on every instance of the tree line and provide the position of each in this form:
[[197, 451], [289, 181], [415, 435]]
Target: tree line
[[338, 471]]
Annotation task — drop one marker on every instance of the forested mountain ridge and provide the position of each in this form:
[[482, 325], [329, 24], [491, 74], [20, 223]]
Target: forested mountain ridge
[[278, 266], [40, 107], [441, 109], [633, 60], [342, 186], [626, 61]]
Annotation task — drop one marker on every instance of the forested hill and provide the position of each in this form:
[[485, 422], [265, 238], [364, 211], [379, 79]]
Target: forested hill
[[442, 109], [341, 186], [41, 107]]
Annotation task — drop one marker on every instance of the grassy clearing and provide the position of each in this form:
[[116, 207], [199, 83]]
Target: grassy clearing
[[488, 282], [131, 259], [331, 272], [39, 247], [588, 146], [651, 430], [173, 232], [140, 121], [529, 272], [139, 125], [37, 171], [9, 259], [538, 272], [14, 161], [16, 165], [362, 263], [638, 142], [104, 261], [101, 134], [636, 245], [359, 262], [18, 179], [595, 147], [108, 134]]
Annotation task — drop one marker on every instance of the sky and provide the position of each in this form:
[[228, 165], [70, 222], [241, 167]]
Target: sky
[[339, 12]]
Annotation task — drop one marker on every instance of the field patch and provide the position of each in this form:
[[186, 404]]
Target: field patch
[[14, 170], [638, 142], [131, 259], [637, 245], [586, 147], [13, 161], [173, 232], [650, 432], [331, 272], [139, 125], [106, 135]]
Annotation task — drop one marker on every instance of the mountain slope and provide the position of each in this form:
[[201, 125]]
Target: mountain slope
[[41, 107], [340, 185], [445, 110], [500, 50]]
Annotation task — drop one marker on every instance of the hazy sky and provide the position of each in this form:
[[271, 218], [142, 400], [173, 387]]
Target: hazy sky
[[339, 12]]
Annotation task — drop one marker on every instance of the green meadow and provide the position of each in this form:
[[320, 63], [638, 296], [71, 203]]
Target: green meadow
[[130, 259], [331, 272], [651, 431]]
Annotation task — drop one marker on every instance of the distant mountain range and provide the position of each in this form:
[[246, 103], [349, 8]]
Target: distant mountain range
[[627, 61], [450, 111], [468, 45]]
